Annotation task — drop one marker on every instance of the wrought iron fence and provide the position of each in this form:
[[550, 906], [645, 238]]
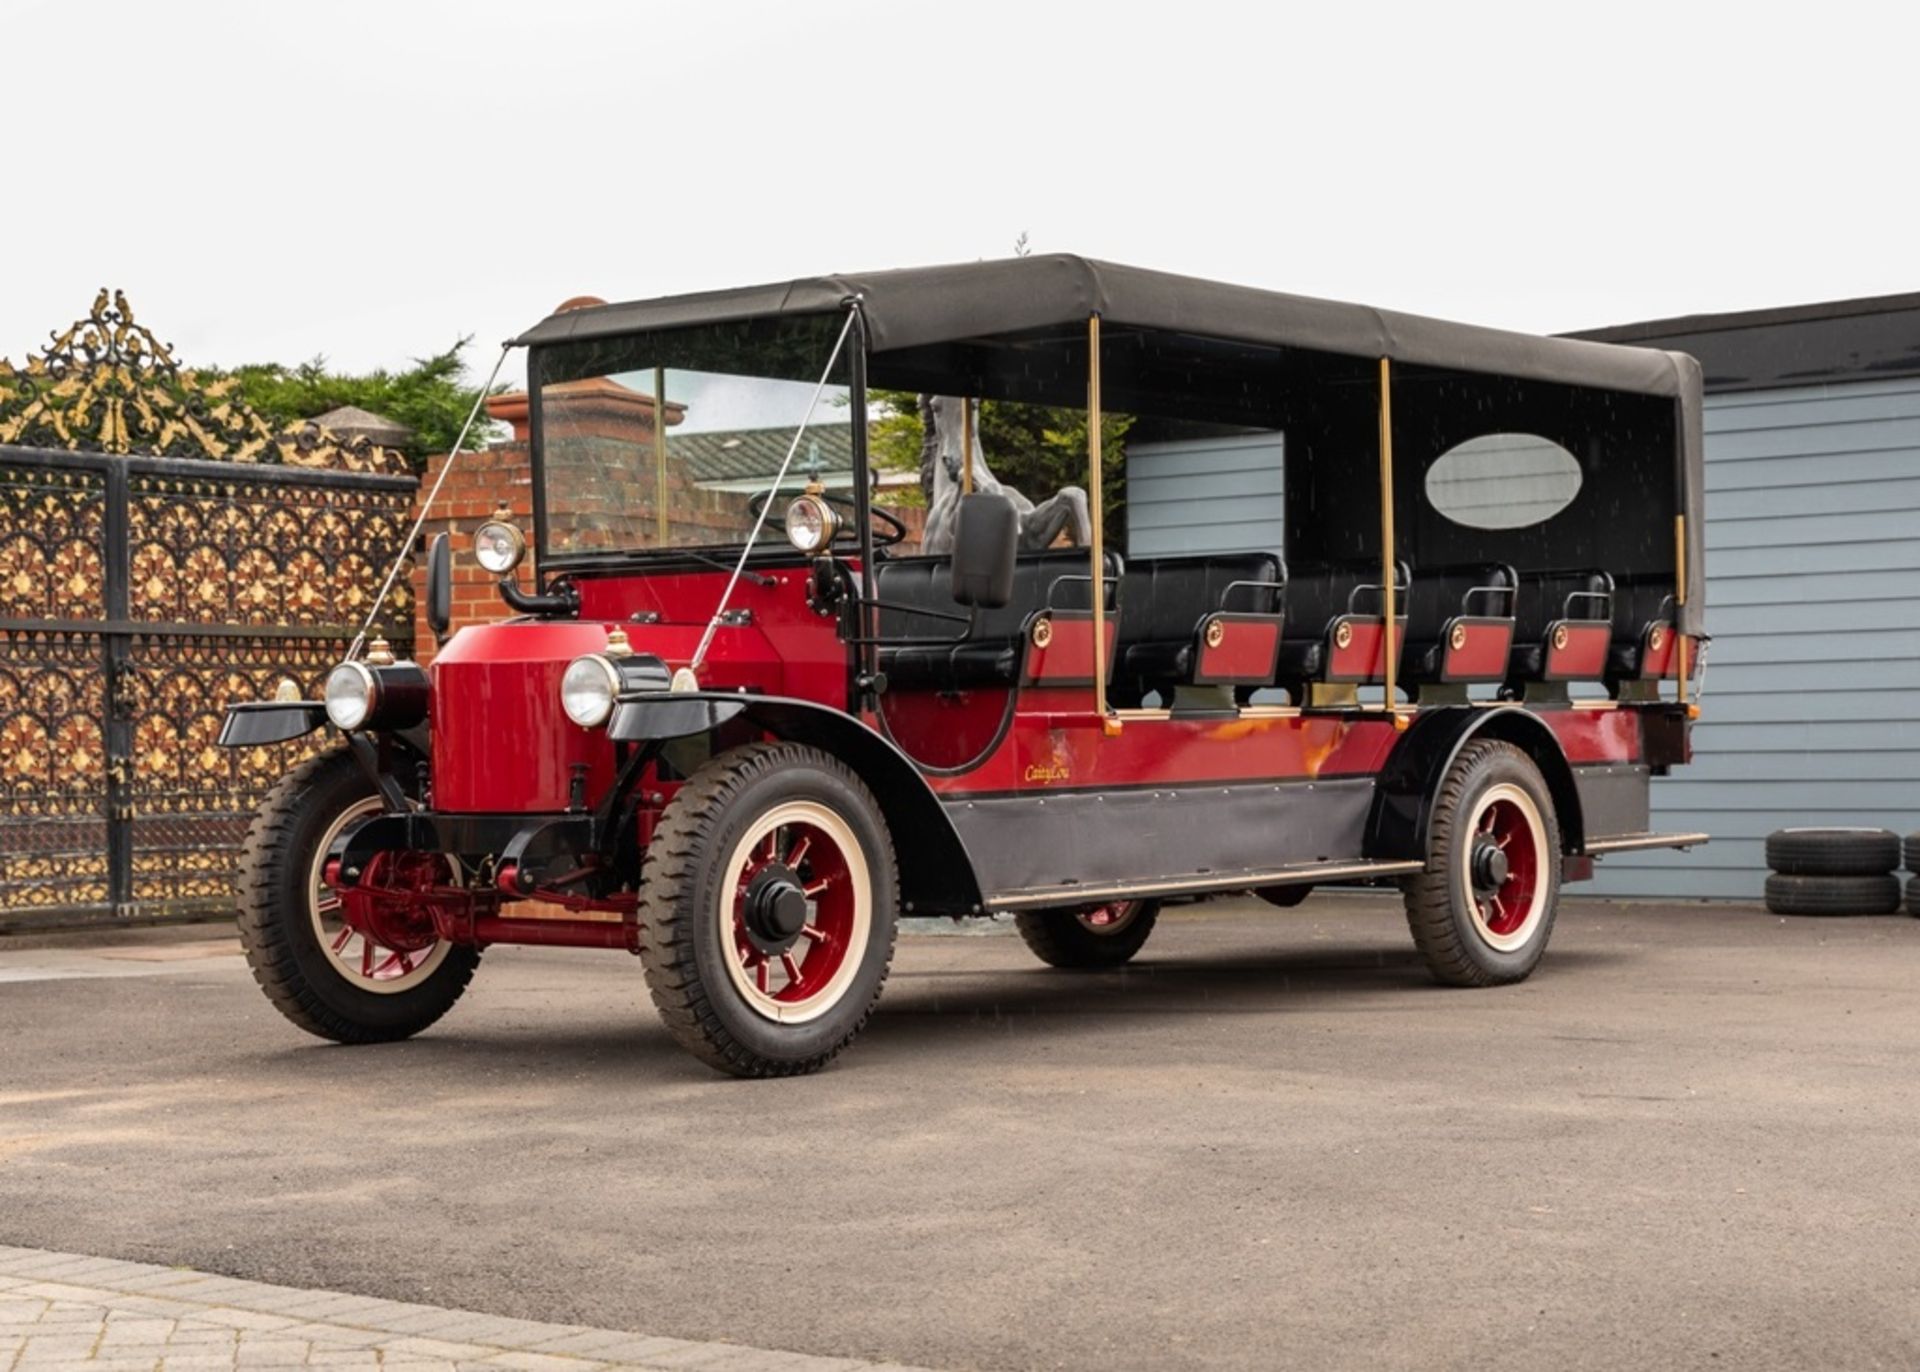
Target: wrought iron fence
[[138, 595]]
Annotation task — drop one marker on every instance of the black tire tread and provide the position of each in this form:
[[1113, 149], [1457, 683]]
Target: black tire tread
[[666, 932], [267, 943], [1833, 852], [1913, 896], [1058, 939], [1871, 894], [1911, 852], [1428, 895]]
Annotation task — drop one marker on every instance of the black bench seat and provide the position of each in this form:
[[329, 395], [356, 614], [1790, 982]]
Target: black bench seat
[[1563, 625], [988, 653], [1334, 623], [1459, 623], [1168, 606], [1643, 636]]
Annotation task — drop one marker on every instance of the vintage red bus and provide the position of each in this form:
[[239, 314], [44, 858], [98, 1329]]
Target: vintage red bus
[[1443, 662]]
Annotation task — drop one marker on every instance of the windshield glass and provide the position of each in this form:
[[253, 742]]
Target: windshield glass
[[614, 478]]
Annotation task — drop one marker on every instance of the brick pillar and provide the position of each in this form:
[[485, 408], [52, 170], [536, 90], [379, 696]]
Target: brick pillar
[[479, 483]]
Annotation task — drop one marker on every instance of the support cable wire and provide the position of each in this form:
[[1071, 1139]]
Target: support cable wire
[[413, 534], [706, 639]]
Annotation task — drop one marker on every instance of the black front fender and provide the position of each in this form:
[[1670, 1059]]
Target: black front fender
[[936, 874], [660, 715], [249, 724]]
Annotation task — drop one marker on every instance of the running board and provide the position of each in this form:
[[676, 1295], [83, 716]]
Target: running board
[[1194, 885], [1628, 842]]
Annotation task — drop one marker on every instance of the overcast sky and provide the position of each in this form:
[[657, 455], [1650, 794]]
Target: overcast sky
[[370, 179]]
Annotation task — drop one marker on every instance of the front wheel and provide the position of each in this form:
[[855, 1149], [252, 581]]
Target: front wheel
[[1483, 909], [768, 906], [1089, 939], [368, 984]]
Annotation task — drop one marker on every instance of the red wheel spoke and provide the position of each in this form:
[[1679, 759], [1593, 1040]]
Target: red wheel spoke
[[366, 956], [812, 933], [793, 969], [345, 935], [813, 891], [798, 853], [760, 971]]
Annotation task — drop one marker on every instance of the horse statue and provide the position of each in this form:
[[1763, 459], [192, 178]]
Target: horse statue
[[942, 424]]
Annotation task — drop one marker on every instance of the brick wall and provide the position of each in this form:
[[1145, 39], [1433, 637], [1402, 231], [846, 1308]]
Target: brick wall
[[478, 484]]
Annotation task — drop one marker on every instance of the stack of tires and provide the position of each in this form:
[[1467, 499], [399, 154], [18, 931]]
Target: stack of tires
[[1838, 872]]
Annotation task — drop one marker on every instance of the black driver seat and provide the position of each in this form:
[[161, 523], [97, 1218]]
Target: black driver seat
[[990, 651]]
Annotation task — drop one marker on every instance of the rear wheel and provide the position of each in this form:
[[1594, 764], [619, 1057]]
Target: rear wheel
[[385, 979], [1483, 909], [1089, 938], [768, 907]]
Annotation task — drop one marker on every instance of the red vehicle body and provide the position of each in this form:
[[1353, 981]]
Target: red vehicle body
[[743, 759]]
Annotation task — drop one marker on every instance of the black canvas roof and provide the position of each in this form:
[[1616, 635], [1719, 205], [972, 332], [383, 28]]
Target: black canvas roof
[[920, 305], [923, 306]]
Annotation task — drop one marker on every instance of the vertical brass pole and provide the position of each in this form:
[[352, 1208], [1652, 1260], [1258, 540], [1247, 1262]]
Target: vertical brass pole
[[966, 446], [1389, 592], [660, 455], [1680, 597], [1099, 584]]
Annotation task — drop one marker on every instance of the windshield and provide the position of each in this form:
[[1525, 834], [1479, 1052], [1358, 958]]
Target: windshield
[[660, 441]]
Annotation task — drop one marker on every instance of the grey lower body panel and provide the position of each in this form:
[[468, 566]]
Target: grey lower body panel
[[1044, 846], [1614, 799]]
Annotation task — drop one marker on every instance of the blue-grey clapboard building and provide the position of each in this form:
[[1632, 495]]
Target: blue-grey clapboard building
[[1813, 576]]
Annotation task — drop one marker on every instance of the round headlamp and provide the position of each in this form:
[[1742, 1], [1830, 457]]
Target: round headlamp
[[371, 694], [498, 546], [811, 524], [350, 694], [588, 689]]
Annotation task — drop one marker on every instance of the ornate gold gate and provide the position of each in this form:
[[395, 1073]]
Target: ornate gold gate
[[141, 589]]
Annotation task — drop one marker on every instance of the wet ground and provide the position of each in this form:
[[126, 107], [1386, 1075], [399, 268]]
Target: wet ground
[[1692, 1138]]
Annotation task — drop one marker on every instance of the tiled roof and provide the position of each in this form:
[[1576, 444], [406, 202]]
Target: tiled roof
[[744, 454]]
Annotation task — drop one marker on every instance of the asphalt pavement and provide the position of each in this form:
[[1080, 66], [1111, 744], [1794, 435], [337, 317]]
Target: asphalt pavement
[[1692, 1139]]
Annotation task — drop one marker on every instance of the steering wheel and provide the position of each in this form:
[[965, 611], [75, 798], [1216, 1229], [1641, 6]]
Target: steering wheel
[[892, 531]]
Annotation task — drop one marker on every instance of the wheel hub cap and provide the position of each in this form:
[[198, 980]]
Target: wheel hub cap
[[1490, 866], [776, 908]]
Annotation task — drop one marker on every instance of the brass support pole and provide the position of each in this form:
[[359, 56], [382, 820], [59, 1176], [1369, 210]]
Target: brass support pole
[[1389, 592], [1680, 597], [1099, 583], [660, 455]]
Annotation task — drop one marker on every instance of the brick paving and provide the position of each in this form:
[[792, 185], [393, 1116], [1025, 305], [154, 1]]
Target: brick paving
[[61, 1311]]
